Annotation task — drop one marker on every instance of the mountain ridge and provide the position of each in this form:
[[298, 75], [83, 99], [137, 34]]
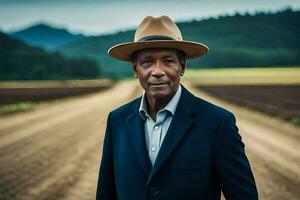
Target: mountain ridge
[[240, 40], [45, 35], [260, 40]]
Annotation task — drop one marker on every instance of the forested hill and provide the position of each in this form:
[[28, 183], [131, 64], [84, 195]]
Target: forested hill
[[245, 40], [263, 39], [19, 61]]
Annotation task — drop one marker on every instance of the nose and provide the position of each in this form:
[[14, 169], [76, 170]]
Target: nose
[[158, 70]]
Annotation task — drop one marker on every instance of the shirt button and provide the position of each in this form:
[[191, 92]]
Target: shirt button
[[153, 149], [155, 127]]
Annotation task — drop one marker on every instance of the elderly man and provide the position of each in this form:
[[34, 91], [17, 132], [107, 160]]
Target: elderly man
[[169, 144]]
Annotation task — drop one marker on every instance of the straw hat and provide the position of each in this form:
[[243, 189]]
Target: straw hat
[[160, 32]]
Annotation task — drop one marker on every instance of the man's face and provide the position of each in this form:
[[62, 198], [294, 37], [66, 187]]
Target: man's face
[[159, 72]]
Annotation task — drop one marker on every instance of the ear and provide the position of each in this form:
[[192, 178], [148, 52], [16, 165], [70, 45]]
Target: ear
[[134, 69], [183, 67]]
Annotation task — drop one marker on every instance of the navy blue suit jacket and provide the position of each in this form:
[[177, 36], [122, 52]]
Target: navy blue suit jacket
[[202, 154]]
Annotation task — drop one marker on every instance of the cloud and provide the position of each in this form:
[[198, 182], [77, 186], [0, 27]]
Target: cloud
[[102, 16]]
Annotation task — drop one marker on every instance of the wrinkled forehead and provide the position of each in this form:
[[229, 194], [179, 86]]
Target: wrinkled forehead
[[155, 52]]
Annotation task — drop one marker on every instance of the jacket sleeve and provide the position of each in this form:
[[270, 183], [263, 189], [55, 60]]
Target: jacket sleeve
[[232, 166], [106, 189]]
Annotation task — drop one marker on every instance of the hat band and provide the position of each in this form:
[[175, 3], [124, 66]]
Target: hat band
[[155, 37]]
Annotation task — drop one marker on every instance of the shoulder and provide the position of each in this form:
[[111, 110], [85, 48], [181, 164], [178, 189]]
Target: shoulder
[[203, 107], [222, 120], [212, 108], [125, 110], [216, 114]]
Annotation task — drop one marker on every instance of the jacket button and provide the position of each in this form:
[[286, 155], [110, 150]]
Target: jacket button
[[154, 191]]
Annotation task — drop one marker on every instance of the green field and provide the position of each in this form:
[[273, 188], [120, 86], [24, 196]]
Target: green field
[[17, 107], [244, 76]]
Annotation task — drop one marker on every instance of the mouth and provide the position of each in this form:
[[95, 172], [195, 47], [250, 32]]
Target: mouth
[[157, 84]]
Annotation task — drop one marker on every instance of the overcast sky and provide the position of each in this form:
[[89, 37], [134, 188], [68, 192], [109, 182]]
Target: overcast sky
[[94, 17]]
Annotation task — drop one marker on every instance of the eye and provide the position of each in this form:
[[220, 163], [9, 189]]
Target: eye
[[146, 62], [169, 61]]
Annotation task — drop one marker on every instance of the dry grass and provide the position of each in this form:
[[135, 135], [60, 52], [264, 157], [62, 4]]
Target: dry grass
[[244, 76]]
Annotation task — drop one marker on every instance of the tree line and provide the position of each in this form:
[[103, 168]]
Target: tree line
[[261, 39], [19, 61]]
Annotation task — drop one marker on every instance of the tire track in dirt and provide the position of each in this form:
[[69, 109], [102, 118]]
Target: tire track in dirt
[[35, 162], [17, 122], [47, 158]]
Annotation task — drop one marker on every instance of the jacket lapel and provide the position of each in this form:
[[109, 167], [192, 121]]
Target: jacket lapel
[[135, 128], [181, 123]]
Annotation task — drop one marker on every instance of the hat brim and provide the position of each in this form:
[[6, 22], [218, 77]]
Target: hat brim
[[124, 51]]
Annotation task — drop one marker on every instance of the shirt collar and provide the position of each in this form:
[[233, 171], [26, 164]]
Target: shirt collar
[[171, 106]]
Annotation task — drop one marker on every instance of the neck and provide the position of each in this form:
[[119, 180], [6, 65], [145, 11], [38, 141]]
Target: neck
[[155, 105]]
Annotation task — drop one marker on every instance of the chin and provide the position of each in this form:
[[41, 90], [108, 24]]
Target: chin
[[160, 94]]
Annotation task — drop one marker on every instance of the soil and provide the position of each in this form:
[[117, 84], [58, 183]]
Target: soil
[[53, 152], [277, 100]]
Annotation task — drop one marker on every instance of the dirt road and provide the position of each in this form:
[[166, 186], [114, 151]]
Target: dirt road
[[53, 152]]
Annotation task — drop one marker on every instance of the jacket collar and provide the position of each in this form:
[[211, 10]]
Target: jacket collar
[[171, 106]]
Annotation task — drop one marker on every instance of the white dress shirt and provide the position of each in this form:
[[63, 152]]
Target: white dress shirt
[[155, 131]]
